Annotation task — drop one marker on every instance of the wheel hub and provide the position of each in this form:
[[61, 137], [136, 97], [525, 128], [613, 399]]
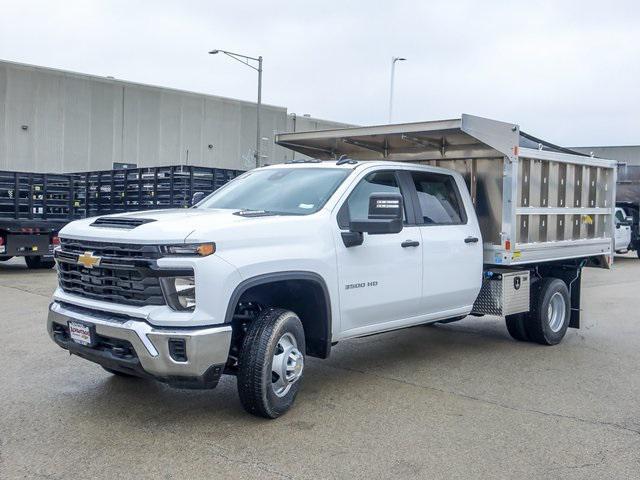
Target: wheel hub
[[287, 365], [556, 312]]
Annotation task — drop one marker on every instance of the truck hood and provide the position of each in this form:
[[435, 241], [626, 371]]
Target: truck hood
[[159, 227]]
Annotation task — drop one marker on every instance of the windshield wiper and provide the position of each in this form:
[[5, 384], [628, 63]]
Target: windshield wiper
[[259, 213]]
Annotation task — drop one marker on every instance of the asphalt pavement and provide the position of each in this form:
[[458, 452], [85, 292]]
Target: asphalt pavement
[[461, 400]]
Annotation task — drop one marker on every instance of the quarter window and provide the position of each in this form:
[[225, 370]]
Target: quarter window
[[439, 199]]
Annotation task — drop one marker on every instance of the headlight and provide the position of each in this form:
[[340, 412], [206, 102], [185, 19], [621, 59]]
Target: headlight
[[198, 249], [180, 292]]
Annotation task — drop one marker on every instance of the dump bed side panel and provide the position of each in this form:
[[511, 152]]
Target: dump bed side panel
[[563, 208]]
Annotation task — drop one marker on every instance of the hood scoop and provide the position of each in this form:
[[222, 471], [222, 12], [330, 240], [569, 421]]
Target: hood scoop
[[127, 223]]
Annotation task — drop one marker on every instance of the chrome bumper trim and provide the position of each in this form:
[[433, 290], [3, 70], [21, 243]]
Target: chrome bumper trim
[[205, 346]]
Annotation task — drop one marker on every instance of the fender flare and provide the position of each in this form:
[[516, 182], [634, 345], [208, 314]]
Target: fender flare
[[265, 278]]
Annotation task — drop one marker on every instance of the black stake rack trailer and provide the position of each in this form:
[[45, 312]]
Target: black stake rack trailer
[[35, 206]]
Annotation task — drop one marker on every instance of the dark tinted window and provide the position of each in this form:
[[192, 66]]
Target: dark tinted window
[[357, 206], [439, 199]]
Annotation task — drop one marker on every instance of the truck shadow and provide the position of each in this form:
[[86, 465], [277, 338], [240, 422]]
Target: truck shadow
[[17, 266], [352, 367], [628, 258]]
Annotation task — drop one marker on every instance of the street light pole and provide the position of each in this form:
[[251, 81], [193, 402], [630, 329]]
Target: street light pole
[[393, 71], [246, 61], [258, 137]]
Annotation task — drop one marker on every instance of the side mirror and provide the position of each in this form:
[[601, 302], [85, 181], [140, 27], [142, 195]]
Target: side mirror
[[385, 215], [197, 196]]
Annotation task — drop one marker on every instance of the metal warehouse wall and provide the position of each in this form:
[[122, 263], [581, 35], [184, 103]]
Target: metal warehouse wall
[[624, 154], [57, 121]]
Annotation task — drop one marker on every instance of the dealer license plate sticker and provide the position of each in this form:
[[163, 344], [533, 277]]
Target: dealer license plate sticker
[[80, 333]]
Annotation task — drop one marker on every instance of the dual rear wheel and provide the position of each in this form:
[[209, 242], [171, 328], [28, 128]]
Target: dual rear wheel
[[547, 321]]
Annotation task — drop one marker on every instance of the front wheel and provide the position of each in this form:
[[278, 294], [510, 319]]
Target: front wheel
[[271, 363]]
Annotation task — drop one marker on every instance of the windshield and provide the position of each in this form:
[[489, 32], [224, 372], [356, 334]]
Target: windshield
[[289, 191]]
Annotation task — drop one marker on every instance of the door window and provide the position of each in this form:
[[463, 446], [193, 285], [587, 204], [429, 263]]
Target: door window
[[619, 216], [439, 199], [357, 205]]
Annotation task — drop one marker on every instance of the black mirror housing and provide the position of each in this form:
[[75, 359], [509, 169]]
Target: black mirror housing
[[376, 227], [385, 215], [197, 196]]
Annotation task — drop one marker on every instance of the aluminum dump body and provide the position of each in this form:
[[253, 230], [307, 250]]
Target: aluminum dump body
[[536, 202]]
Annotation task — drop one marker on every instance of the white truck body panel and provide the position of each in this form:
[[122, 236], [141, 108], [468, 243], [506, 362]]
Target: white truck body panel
[[622, 237]]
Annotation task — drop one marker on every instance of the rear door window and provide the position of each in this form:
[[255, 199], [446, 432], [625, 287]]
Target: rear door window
[[439, 199]]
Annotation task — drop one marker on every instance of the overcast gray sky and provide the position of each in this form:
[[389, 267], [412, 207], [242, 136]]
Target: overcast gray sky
[[566, 71]]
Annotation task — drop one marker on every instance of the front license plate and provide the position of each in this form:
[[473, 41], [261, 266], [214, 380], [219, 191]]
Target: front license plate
[[81, 333]]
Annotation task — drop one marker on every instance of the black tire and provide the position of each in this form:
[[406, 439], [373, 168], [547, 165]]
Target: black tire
[[4, 258], [537, 323], [516, 327], [36, 262], [255, 376]]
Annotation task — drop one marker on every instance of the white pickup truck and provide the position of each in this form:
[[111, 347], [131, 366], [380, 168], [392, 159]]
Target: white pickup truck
[[286, 260], [622, 238]]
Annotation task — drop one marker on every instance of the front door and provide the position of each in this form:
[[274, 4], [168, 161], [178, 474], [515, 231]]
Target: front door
[[380, 280]]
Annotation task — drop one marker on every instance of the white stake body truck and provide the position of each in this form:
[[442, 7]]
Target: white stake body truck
[[401, 225]]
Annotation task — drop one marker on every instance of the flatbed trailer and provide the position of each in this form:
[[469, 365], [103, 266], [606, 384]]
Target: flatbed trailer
[[35, 206], [543, 210]]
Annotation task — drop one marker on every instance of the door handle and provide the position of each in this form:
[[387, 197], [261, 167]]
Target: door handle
[[471, 240], [410, 243]]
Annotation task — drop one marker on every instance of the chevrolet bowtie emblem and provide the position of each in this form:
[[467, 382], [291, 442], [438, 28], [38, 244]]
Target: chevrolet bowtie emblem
[[88, 260]]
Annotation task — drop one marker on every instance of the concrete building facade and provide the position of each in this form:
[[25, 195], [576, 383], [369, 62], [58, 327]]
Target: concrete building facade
[[58, 121], [624, 154]]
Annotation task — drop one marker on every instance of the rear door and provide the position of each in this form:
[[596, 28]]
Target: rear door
[[451, 243]]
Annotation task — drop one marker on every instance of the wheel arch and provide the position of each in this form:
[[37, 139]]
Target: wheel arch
[[303, 292]]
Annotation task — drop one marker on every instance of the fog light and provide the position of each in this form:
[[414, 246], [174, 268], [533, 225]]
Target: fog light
[[178, 349], [180, 292]]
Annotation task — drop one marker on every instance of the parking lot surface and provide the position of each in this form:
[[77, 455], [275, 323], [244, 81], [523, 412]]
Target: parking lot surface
[[461, 400]]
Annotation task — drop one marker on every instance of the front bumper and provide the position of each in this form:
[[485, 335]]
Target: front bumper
[[133, 346]]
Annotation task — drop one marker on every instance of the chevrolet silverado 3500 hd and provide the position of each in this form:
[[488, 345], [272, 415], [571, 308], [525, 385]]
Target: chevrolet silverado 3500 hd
[[472, 217]]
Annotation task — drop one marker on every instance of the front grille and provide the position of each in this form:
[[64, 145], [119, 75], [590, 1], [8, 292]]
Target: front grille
[[123, 274], [119, 251]]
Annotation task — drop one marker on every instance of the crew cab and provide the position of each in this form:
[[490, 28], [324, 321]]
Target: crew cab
[[286, 260]]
